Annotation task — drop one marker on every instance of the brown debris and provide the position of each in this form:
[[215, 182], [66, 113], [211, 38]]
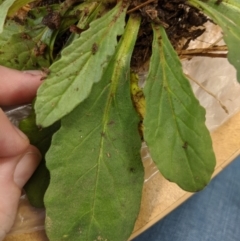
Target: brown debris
[[52, 20], [181, 21]]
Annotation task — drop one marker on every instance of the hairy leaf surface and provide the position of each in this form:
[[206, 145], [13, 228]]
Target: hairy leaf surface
[[174, 128], [82, 64], [94, 161], [227, 15]]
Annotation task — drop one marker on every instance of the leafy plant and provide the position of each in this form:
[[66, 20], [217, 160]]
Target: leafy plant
[[90, 51]]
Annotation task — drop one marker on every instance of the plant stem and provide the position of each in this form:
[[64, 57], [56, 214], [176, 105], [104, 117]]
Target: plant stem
[[139, 6]]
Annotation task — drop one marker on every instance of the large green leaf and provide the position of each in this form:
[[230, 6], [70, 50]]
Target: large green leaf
[[82, 64], [94, 161], [174, 128], [41, 138], [227, 15], [4, 7]]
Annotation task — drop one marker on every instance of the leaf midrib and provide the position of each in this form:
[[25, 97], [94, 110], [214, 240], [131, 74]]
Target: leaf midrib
[[162, 56], [107, 29], [105, 121]]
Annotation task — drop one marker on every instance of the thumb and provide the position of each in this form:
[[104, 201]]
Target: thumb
[[12, 141], [26, 166]]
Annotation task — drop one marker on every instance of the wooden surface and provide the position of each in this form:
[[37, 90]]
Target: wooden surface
[[160, 196], [36, 236]]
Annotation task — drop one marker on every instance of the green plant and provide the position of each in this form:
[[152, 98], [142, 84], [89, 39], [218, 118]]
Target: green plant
[[88, 50]]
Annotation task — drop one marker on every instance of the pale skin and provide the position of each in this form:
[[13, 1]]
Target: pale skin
[[18, 159]]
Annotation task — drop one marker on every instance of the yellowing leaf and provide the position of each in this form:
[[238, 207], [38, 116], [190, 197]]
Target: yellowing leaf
[[17, 5]]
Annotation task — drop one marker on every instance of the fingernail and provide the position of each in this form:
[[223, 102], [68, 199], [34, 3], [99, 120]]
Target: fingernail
[[25, 168], [20, 133], [34, 72]]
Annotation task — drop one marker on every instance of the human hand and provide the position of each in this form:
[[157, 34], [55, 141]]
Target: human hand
[[18, 159]]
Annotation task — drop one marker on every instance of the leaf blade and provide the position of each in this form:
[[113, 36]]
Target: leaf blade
[[4, 7], [91, 51], [41, 138], [104, 130], [10, 28], [19, 53], [17, 5], [174, 127]]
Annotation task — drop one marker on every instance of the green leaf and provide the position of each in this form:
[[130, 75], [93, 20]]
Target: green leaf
[[94, 161], [82, 64], [20, 52], [4, 7], [41, 138], [174, 128], [17, 5], [94, 10], [10, 28], [37, 185], [26, 47], [35, 16], [227, 16]]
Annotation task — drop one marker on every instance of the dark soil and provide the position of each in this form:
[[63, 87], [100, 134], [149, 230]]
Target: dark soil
[[182, 22]]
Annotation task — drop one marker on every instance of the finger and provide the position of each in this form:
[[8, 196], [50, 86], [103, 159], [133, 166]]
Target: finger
[[9, 194], [12, 141], [18, 87], [14, 173], [26, 166], [9, 199]]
